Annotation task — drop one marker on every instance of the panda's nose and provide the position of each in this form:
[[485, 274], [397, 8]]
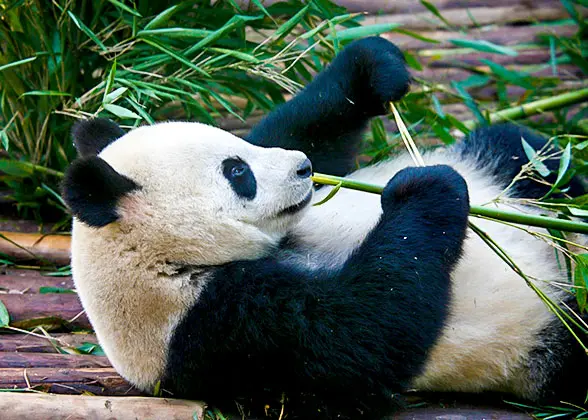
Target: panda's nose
[[304, 169]]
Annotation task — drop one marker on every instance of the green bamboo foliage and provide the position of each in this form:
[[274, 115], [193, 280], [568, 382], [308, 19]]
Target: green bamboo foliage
[[139, 62]]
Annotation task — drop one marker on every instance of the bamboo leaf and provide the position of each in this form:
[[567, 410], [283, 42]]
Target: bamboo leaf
[[109, 81], [291, 23], [16, 168], [176, 56], [519, 79], [330, 195], [564, 165], [412, 61], [124, 7], [187, 34], [581, 280], [17, 63], [379, 134], [575, 211], [49, 290], [552, 56], [469, 101], [416, 35], [114, 95], [431, 8], [4, 315], [162, 17], [484, 46], [263, 9], [363, 31], [86, 30], [533, 158], [5, 140], [334, 21], [237, 54], [233, 23], [44, 93], [121, 112]]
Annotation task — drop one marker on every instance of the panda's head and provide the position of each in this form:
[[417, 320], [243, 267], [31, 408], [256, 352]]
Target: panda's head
[[184, 192]]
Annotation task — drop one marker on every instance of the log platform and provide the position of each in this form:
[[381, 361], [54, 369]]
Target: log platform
[[50, 366]]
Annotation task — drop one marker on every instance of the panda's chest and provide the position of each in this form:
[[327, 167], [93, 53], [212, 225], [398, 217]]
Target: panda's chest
[[301, 255]]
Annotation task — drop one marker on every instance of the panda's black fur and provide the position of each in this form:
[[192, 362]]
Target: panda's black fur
[[338, 342], [342, 335]]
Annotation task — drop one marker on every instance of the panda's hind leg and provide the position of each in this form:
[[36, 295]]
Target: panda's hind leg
[[498, 149]]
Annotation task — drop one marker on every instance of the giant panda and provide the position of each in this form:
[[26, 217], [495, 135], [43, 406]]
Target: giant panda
[[203, 266]]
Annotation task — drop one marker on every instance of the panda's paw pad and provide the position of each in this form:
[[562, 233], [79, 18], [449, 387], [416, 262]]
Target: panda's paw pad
[[380, 74], [437, 187]]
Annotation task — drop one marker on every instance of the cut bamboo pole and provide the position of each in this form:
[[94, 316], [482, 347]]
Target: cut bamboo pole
[[58, 407], [536, 107], [30, 246], [479, 211], [515, 35], [474, 16]]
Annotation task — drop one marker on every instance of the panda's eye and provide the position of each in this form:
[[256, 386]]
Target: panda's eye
[[240, 177], [238, 170]]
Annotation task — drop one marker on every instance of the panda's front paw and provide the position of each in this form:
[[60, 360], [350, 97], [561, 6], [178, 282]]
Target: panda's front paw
[[433, 190], [376, 73]]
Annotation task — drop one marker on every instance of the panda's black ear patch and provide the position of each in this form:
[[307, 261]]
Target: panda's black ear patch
[[91, 136], [92, 189]]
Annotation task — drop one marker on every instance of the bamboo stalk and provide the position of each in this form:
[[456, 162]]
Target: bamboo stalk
[[535, 107], [53, 407], [478, 211], [31, 246]]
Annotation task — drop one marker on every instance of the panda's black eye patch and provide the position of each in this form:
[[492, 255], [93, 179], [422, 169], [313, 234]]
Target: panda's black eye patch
[[241, 177]]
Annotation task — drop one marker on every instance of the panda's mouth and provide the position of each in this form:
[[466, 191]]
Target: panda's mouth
[[297, 207]]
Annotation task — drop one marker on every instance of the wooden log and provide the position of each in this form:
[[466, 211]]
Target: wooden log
[[29, 246], [462, 17], [410, 6], [459, 414], [32, 344], [30, 281], [48, 360], [54, 306], [444, 74], [508, 36], [472, 58], [58, 407], [99, 381]]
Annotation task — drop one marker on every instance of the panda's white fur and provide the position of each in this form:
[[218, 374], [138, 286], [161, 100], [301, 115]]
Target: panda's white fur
[[144, 256], [121, 271], [495, 317]]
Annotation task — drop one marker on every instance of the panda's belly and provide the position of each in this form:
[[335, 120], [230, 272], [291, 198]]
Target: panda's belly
[[495, 316]]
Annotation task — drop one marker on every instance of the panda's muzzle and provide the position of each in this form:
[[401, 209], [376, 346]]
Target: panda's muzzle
[[297, 207]]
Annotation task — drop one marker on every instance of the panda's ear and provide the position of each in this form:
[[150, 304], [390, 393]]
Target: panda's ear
[[92, 190], [91, 136]]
